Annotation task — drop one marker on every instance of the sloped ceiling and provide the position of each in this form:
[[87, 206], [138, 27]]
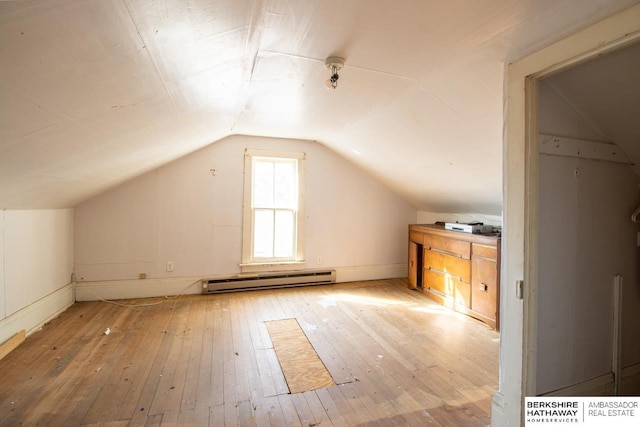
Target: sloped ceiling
[[95, 92], [606, 92]]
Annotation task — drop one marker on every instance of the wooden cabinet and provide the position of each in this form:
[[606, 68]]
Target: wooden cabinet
[[458, 270]]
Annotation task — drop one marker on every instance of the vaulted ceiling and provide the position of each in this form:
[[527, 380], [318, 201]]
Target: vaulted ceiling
[[605, 91], [95, 92]]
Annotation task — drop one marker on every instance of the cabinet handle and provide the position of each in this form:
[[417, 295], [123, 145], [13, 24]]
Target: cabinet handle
[[483, 287]]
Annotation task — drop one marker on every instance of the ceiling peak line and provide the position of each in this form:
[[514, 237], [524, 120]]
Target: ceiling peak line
[[384, 73], [355, 67], [150, 56], [254, 31], [292, 55], [251, 51], [437, 98]]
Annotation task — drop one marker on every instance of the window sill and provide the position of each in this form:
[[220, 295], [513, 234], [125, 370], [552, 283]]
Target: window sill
[[272, 266]]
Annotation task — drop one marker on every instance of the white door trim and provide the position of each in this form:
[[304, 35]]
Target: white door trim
[[519, 243]]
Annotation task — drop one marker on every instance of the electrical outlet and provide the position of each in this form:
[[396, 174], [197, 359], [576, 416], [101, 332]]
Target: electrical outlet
[[319, 259], [169, 265]]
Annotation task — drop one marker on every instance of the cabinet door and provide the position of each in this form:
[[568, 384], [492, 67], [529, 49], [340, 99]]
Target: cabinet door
[[413, 265], [484, 286], [462, 295]]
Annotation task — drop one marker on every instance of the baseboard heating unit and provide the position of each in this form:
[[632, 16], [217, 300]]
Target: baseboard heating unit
[[249, 281]]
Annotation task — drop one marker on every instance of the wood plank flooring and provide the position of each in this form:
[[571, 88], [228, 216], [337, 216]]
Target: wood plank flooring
[[398, 359]]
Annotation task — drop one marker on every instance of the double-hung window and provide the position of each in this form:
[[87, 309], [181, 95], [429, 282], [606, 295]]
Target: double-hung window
[[273, 208]]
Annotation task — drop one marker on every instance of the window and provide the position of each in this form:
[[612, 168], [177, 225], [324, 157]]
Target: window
[[273, 208]]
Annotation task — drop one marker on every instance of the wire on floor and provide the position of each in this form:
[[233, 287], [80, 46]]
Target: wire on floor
[[163, 300]]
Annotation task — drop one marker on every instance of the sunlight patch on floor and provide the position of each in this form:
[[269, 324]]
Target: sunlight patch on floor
[[367, 300], [440, 310]]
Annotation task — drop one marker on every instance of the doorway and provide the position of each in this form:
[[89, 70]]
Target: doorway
[[583, 161], [587, 189], [519, 296]]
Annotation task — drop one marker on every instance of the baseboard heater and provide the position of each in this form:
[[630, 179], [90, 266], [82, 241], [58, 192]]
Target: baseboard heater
[[242, 282]]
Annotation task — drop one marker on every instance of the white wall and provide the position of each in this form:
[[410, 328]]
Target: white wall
[[184, 213], [36, 253], [432, 217], [585, 239]]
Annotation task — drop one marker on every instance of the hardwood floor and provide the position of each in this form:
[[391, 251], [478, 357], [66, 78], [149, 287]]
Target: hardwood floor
[[396, 357]]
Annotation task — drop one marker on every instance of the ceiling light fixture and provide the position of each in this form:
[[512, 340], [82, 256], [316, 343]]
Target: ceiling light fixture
[[334, 64]]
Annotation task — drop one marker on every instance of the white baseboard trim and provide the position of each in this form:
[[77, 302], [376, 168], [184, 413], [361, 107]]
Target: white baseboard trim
[[497, 410], [32, 317], [148, 288], [370, 272], [600, 386], [136, 288]]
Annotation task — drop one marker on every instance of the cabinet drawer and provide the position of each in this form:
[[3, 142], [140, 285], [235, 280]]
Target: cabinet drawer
[[448, 264], [484, 287], [448, 286], [459, 248], [485, 251]]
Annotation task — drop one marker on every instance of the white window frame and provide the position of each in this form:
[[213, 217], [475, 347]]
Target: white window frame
[[249, 264]]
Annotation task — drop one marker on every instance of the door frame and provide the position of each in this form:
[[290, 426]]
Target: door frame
[[520, 195]]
